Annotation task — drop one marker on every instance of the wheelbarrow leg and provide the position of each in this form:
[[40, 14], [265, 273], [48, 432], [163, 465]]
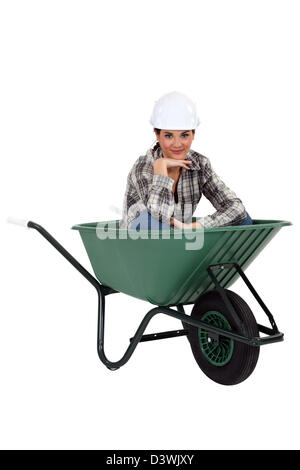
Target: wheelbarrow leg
[[134, 341], [180, 308]]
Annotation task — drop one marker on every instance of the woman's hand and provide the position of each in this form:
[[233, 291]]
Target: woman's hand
[[161, 165], [182, 225], [172, 163]]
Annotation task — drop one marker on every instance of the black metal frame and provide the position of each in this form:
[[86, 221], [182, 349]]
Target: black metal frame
[[273, 334]]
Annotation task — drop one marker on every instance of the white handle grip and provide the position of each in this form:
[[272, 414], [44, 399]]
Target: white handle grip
[[13, 220]]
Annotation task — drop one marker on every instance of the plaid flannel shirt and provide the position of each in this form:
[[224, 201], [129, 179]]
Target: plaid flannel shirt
[[146, 191]]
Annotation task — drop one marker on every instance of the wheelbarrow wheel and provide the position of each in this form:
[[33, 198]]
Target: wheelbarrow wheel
[[223, 360]]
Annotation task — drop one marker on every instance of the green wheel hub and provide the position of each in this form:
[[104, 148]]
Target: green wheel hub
[[216, 352]]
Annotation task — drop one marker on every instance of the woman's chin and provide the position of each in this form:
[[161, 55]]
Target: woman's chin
[[181, 156]]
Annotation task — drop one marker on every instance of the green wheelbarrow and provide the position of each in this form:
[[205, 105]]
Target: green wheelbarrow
[[174, 268]]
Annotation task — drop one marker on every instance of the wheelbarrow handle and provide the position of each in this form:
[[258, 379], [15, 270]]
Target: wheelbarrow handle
[[30, 224], [22, 222]]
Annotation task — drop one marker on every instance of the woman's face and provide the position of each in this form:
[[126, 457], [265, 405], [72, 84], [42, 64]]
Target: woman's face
[[175, 144]]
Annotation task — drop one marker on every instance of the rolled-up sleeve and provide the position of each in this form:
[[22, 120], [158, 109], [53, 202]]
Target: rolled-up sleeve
[[155, 191], [230, 209]]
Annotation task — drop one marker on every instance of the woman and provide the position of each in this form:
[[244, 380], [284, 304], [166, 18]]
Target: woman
[[165, 186]]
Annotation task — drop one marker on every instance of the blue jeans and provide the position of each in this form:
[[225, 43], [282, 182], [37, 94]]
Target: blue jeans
[[145, 221], [248, 220]]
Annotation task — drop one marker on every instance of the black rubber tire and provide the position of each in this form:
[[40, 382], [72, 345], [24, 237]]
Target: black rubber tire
[[244, 357]]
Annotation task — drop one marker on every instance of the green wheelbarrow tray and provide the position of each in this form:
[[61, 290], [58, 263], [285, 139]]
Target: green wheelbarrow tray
[[176, 268], [162, 271]]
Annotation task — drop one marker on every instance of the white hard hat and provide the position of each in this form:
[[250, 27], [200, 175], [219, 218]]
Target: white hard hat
[[174, 111]]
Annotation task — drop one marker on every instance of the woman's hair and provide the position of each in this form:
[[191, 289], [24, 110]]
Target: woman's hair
[[158, 130]]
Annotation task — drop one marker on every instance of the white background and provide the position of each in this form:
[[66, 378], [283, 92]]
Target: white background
[[78, 82]]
